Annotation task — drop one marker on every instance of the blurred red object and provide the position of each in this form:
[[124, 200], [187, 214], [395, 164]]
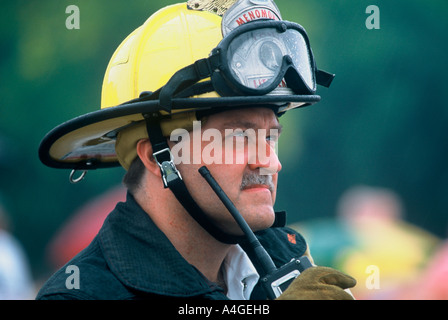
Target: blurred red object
[[434, 282], [431, 284], [82, 227]]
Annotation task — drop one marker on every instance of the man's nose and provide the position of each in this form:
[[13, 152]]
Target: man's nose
[[264, 158]]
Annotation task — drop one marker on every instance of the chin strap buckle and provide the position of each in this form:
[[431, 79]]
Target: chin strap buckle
[[165, 161]]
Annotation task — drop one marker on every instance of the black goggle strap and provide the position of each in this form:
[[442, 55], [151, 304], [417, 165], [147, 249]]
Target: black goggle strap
[[184, 79], [185, 83], [324, 78]]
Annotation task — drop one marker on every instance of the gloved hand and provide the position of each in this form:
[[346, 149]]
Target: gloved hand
[[319, 283]]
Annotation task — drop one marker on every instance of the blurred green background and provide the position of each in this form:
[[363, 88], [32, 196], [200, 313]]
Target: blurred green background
[[382, 123]]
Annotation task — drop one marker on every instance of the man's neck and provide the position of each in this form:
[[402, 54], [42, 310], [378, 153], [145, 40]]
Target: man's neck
[[195, 244]]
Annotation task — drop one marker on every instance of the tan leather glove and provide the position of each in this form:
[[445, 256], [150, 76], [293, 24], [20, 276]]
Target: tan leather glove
[[319, 283]]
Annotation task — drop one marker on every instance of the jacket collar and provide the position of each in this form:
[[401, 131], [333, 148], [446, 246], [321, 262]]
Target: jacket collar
[[143, 258]]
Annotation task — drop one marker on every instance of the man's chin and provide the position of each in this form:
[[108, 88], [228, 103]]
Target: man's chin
[[257, 221]]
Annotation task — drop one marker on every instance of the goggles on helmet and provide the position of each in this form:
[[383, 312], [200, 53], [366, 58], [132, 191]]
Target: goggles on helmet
[[257, 58]]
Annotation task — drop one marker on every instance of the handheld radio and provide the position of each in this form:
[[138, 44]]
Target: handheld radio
[[273, 280]]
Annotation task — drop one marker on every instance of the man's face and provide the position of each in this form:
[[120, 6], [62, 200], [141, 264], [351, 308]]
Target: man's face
[[238, 148]]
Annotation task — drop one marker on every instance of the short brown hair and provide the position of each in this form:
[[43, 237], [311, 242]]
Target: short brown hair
[[133, 177]]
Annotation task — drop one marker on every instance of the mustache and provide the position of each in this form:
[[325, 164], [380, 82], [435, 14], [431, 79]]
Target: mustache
[[252, 178]]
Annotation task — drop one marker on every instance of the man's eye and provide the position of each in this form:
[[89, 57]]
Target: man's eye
[[236, 134], [272, 139]]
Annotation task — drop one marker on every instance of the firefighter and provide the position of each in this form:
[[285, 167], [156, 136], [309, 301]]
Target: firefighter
[[199, 83]]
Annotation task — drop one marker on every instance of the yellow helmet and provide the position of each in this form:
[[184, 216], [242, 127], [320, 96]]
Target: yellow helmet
[[148, 58], [150, 55], [142, 70]]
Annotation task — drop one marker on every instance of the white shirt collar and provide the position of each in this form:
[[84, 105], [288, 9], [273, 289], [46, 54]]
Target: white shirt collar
[[240, 274]]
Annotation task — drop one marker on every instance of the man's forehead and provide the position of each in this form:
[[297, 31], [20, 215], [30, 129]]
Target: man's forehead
[[245, 118]]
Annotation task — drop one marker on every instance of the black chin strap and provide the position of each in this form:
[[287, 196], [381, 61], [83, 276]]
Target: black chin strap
[[172, 179]]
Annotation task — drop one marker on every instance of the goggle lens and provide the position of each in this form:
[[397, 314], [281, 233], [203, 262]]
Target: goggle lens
[[256, 59]]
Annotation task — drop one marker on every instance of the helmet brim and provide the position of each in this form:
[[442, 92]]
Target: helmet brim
[[87, 142]]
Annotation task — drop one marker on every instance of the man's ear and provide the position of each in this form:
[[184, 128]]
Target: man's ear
[[144, 152]]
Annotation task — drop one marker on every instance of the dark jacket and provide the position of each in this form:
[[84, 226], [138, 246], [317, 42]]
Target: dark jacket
[[130, 258]]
